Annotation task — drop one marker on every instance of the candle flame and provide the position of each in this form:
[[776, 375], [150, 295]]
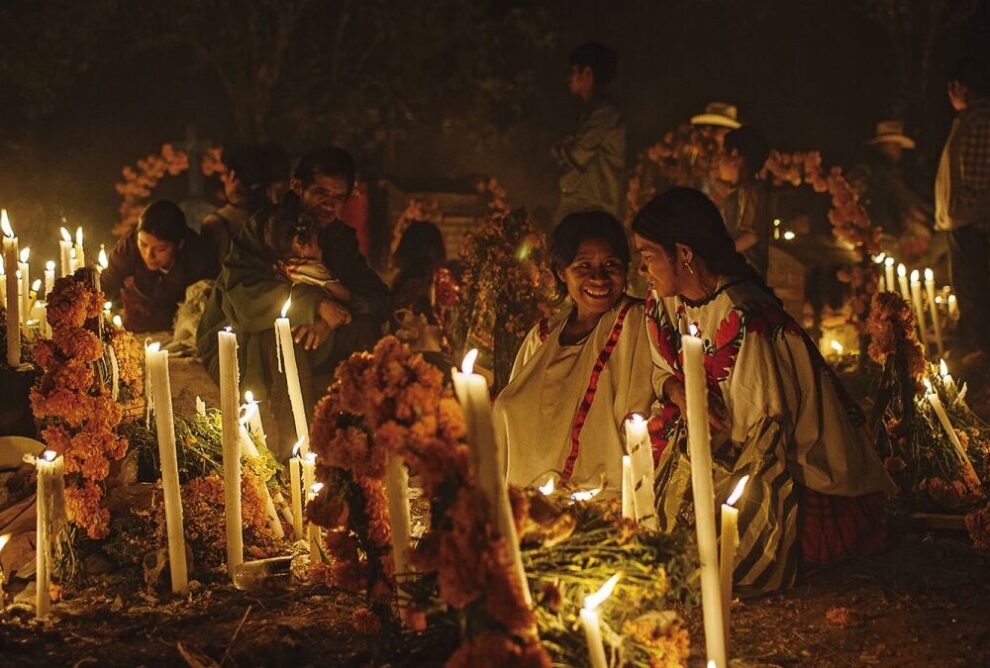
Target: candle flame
[[107, 306], [36, 285], [8, 231], [102, 259], [928, 385], [310, 457], [25, 255], [4, 539], [889, 262], [836, 346], [547, 489], [66, 237], [153, 347], [592, 601], [943, 368], [467, 364], [285, 308], [49, 455], [711, 664], [635, 419], [693, 329], [1, 266], [929, 275], [296, 448], [789, 235], [915, 276], [738, 491], [79, 237], [249, 396], [901, 270], [228, 329], [879, 259], [118, 322], [585, 494], [50, 265], [316, 487]]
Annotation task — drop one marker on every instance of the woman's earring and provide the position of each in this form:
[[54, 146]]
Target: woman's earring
[[687, 266]]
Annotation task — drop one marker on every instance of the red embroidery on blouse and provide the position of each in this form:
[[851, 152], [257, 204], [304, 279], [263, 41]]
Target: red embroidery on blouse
[[589, 394]]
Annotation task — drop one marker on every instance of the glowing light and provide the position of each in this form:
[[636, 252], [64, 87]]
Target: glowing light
[[693, 329], [547, 489], [315, 489], [153, 347], [36, 285], [943, 368], [901, 270], [929, 275], [228, 329], [915, 276], [586, 494], [4, 539], [738, 491], [50, 265], [8, 231], [592, 601], [836, 346], [102, 258], [296, 448], [635, 419], [79, 236], [107, 306], [118, 322], [467, 364], [25, 254], [249, 396], [49, 455], [285, 308], [879, 259], [928, 385], [789, 235], [311, 457], [66, 237], [889, 262]]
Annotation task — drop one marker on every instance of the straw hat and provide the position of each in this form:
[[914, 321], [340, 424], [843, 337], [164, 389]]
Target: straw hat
[[718, 113], [892, 131]]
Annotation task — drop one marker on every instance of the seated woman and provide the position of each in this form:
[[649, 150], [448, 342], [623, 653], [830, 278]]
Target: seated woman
[[578, 375], [151, 267], [418, 257], [777, 411]]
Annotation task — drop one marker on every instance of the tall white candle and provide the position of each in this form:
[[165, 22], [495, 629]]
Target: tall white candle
[[102, 261], [229, 404], [24, 267], [943, 418], [919, 309], [936, 323], [903, 283], [314, 531], [3, 280], [249, 449], [628, 509], [488, 462], [252, 414], [888, 272], [879, 260], [943, 371], [699, 446], [162, 389], [397, 491], [10, 259], [952, 306], [50, 469], [287, 351], [727, 551], [592, 624], [641, 452], [296, 490], [65, 251], [80, 252], [49, 278]]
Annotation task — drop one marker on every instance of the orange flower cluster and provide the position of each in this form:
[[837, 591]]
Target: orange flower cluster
[[493, 650], [130, 360], [891, 327], [138, 182], [669, 642], [75, 404]]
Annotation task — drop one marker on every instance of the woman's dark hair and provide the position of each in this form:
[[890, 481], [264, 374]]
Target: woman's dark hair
[[286, 222], [421, 249], [165, 220], [253, 167], [752, 146], [576, 228], [686, 216], [327, 161], [600, 58]]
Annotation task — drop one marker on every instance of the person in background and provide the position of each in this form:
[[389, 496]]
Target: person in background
[[746, 208], [592, 159], [151, 267], [962, 205]]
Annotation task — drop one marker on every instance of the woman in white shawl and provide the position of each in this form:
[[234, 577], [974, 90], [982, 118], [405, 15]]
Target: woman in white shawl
[[580, 373]]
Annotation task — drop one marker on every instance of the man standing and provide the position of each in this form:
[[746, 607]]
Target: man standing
[[592, 159], [962, 204]]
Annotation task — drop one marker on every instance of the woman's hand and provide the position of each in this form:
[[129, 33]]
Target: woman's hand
[[334, 314], [717, 419], [312, 336]]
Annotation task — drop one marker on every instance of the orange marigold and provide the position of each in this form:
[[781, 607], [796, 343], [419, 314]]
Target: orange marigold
[[82, 506], [79, 344], [492, 649]]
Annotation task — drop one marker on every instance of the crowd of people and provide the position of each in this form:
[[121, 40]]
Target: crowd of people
[[777, 411]]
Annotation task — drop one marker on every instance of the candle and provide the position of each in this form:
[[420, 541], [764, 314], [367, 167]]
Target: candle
[[229, 395], [952, 307], [65, 251], [102, 261], [24, 267], [879, 260], [3, 279], [4, 539], [10, 258], [641, 462], [73, 262], [397, 491], [296, 489], [943, 418], [888, 272], [50, 471], [33, 295], [903, 282], [157, 365], [919, 310], [943, 371], [936, 324], [80, 252], [727, 552], [49, 277], [628, 510], [592, 625], [486, 458], [546, 489], [249, 449], [314, 531], [699, 445], [287, 356], [252, 414]]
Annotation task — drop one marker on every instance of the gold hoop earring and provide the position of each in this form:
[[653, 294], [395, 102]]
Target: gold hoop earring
[[688, 267]]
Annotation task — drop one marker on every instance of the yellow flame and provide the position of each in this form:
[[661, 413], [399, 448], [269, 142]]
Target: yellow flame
[[915, 276], [467, 364], [65, 235], [693, 329], [547, 489], [285, 307], [880, 258], [901, 270], [79, 236], [50, 266], [49, 455], [36, 284], [102, 259], [315, 488], [943, 368], [296, 448], [118, 322], [586, 494], [928, 385], [635, 419], [836, 346], [25, 255], [592, 601], [789, 235], [153, 347], [8, 231], [311, 457], [738, 491], [929, 275], [249, 396], [889, 262], [4, 539]]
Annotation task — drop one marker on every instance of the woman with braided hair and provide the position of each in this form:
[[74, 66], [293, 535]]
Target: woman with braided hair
[[777, 411]]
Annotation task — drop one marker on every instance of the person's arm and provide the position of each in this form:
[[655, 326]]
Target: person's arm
[[369, 294], [577, 150], [121, 264]]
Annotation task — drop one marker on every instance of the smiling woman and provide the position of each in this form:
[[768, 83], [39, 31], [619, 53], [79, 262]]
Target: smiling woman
[[582, 371]]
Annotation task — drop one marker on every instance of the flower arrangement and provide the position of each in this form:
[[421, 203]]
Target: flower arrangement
[[75, 399]]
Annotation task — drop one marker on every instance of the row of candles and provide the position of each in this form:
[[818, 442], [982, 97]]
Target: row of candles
[[20, 295], [910, 288]]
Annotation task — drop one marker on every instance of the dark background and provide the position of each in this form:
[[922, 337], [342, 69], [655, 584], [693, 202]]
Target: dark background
[[441, 88]]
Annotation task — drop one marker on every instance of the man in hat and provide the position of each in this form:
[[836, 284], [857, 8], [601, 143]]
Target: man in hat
[[962, 204], [592, 159], [719, 115]]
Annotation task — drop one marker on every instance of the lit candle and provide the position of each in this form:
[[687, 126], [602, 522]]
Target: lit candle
[[699, 446], [10, 258], [73, 262], [943, 371], [102, 261], [314, 531], [903, 283], [157, 364], [546, 489], [65, 251], [628, 510], [24, 267], [49, 277], [943, 418], [296, 489], [919, 309], [727, 550], [80, 252], [249, 449], [287, 355], [888, 272], [229, 404], [641, 462], [592, 625], [50, 471], [397, 491], [952, 307], [936, 324], [3, 279], [33, 295], [879, 260], [252, 414], [486, 458]]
